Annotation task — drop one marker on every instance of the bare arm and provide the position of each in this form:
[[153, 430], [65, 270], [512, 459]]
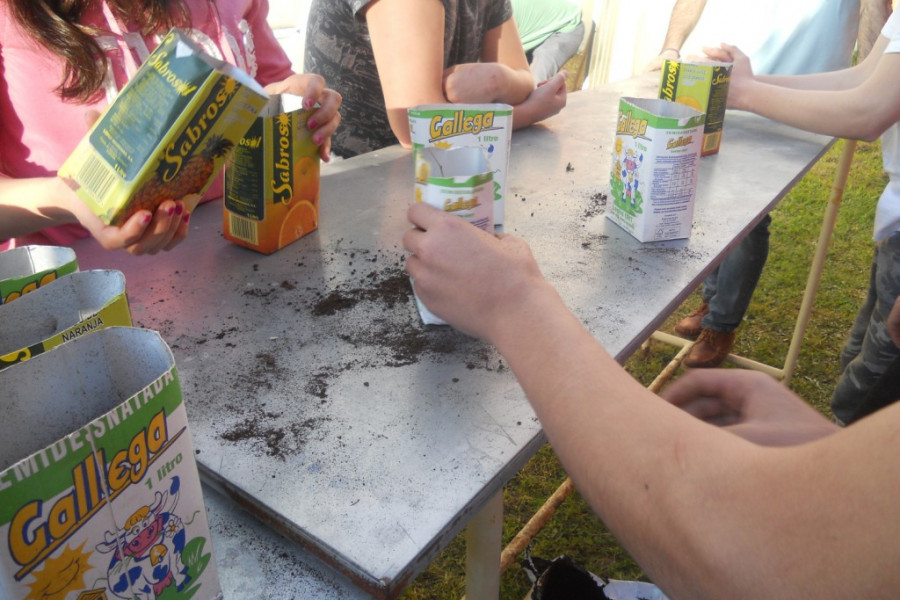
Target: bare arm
[[872, 16], [407, 40], [705, 513], [856, 103], [684, 17]]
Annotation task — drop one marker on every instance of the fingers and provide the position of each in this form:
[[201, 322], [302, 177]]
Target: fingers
[[160, 233], [721, 384]]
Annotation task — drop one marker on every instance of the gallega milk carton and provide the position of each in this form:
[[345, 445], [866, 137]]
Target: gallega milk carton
[[655, 161], [100, 496], [61, 311], [458, 181], [26, 268], [485, 126], [272, 179], [704, 87]]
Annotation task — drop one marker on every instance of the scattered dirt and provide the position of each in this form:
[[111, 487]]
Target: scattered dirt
[[597, 205]]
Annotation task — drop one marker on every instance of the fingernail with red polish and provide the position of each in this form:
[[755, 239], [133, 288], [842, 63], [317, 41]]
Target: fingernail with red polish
[[171, 210], [186, 217], [147, 218], [317, 139], [312, 124]]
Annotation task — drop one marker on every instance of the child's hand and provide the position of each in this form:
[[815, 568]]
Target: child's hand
[[325, 120]]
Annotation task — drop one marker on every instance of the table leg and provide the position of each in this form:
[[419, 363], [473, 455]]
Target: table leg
[[483, 544]]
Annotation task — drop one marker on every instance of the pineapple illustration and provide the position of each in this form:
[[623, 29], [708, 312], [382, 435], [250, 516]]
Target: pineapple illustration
[[195, 173]]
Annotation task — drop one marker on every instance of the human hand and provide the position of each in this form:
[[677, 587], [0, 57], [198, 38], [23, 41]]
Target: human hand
[[547, 99], [473, 82], [741, 72], [657, 61], [325, 120], [749, 404], [466, 276], [144, 232]]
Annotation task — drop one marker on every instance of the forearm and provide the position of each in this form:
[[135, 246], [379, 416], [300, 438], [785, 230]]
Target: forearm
[[685, 14], [872, 16], [29, 205], [851, 114], [646, 468]]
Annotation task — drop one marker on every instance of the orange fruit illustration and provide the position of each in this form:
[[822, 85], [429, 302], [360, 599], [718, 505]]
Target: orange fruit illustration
[[301, 219]]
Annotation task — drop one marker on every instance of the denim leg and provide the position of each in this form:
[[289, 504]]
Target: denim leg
[[735, 279], [549, 57], [869, 350]]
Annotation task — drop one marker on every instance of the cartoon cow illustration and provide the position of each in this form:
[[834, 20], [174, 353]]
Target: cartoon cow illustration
[[147, 556], [631, 164]]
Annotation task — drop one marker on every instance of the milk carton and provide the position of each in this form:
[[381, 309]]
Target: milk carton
[[26, 268], [458, 181], [655, 161], [100, 497], [485, 126], [704, 87], [272, 179]]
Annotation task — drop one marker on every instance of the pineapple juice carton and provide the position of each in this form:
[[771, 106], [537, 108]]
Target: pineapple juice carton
[[458, 181], [167, 133], [702, 86], [100, 496], [272, 179], [485, 126], [61, 311], [655, 161], [26, 268]]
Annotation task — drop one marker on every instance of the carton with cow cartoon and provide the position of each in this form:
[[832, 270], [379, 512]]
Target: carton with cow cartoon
[[100, 496], [655, 161]]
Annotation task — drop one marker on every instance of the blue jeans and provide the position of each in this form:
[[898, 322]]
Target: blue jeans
[[729, 288], [869, 350], [549, 57]]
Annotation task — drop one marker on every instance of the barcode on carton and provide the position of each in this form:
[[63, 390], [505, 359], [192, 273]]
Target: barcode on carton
[[96, 176], [242, 229]]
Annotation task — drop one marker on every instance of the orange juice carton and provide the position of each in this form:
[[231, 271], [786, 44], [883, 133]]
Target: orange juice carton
[[166, 135], [60, 311], [458, 181], [100, 495], [655, 161], [272, 179], [702, 86], [485, 126], [26, 268]]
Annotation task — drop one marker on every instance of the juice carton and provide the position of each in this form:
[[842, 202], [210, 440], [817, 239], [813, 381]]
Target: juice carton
[[166, 135], [272, 179], [653, 178], [61, 311], [485, 126], [458, 181], [100, 496], [702, 86], [26, 268]]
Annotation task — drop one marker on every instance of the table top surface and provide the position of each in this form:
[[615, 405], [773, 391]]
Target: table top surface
[[318, 400]]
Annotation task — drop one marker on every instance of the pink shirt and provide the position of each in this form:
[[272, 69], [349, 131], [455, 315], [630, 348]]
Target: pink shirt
[[38, 130]]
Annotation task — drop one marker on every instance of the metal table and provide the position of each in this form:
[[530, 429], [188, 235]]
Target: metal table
[[318, 400]]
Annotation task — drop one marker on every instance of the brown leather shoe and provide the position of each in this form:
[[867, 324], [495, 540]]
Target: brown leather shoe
[[690, 326], [710, 349]]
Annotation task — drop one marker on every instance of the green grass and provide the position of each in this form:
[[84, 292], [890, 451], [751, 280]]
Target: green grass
[[764, 336]]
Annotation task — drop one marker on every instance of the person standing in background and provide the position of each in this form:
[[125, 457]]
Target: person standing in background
[[64, 62], [781, 38], [385, 56], [551, 32]]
